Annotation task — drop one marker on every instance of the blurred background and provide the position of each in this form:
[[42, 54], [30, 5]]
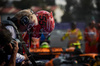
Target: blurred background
[[64, 12]]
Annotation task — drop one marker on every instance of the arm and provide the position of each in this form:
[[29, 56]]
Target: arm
[[12, 61], [16, 57], [64, 37], [80, 37], [12, 30]]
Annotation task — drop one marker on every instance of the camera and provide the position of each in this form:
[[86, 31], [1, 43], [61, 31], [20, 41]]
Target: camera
[[12, 41], [19, 45]]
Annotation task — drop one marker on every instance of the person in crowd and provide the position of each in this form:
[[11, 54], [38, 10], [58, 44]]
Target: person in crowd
[[98, 29], [45, 26], [91, 38], [21, 22], [5, 41], [74, 35]]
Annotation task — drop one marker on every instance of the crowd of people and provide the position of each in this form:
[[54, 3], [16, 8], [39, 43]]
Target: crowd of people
[[91, 36]]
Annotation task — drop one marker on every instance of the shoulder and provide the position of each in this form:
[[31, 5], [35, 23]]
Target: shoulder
[[9, 27]]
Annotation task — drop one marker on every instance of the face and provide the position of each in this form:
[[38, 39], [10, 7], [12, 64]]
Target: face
[[73, 26], [32, 21]]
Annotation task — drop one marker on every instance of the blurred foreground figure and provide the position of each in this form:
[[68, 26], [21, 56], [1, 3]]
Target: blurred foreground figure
[[45, 26], [74, 35], [91, 38], [6, 48]]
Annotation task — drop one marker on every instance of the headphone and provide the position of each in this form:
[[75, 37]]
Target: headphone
[[24, 20]]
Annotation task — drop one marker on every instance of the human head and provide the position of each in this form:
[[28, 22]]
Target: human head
[[5, 41], [92, 24], [5, 35], [24, 18], [73, 25], [46, 22]]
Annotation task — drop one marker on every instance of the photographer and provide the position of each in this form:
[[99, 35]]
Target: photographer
[[22, 21], [5, 41], [26, 21]]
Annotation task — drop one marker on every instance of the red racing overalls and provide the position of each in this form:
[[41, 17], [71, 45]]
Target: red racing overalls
[[91, 38]]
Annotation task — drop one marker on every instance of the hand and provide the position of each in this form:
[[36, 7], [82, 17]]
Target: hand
[[26, 57], [15, 48], [26, 63]]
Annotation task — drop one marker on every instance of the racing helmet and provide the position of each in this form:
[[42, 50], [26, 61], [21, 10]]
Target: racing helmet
[[44, 45], [45, 21]]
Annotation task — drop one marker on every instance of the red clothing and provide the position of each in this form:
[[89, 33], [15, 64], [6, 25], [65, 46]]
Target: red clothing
[[34, 33], [26, 39], [90, 49], [91, 37], [99, 35]]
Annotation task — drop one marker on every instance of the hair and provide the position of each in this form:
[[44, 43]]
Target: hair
[[27, 12], [5, 36]]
